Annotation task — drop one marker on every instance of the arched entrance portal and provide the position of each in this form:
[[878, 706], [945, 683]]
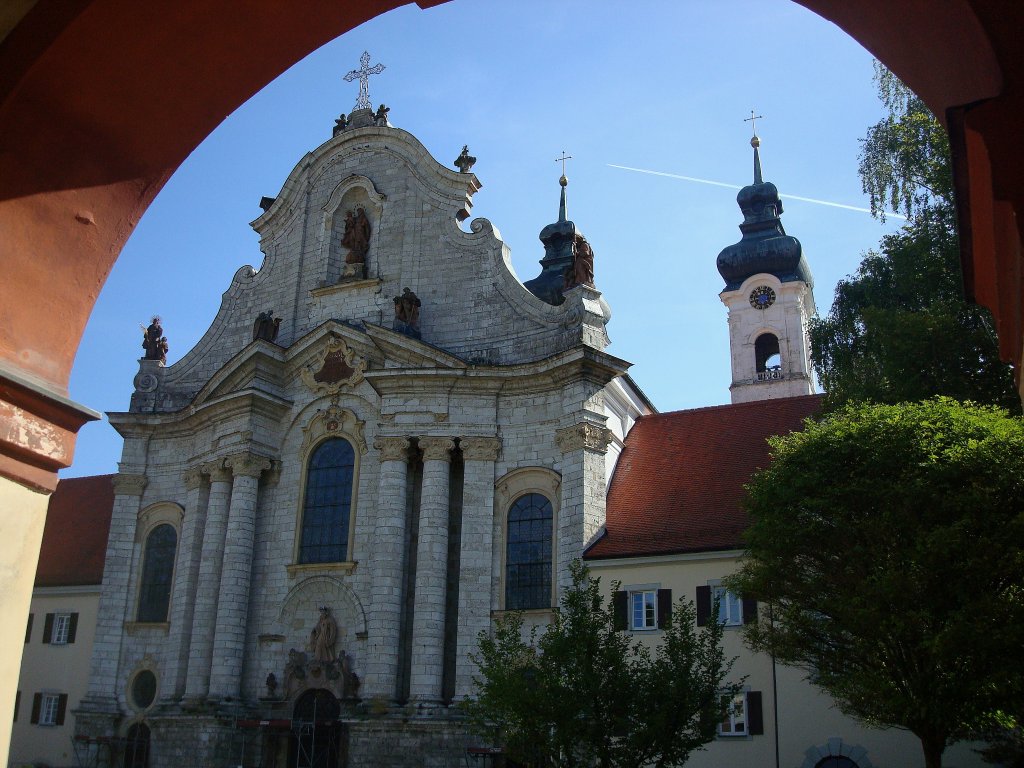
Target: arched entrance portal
[[316, 740], [136, 748]]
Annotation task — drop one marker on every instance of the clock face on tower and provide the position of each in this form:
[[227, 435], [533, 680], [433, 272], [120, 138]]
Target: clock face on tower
[[762, 297]]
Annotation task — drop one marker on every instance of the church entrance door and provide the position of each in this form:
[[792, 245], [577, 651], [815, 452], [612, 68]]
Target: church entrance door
[[317, 737]]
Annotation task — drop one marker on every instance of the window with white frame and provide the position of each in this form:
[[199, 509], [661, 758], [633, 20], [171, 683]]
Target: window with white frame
[[61, 629], [49, 708], [643, 609], [730, 607], [735, 721]]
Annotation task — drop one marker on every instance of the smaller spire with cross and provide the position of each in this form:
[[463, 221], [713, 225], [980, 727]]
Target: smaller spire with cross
[[363, 76], [755, 142], [564, 182]]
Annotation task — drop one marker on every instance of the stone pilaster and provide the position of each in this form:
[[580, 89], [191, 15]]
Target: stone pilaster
[[582, 510], [478, 455], [387, 569], [186, 576], [236, 576], [113, 608], [431, 572], [204, 613]]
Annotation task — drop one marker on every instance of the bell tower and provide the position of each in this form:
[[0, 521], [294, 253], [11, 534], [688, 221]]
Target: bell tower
[[769, 295]]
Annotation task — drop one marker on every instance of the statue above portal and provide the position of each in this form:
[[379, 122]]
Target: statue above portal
[[324, 637]]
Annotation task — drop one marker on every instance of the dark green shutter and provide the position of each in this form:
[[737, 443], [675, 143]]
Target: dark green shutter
[[755, 716], [72, 628], [703, 605], [749, 610], [28, 630], [62, 707], [619, 600], [48, 628], [37, 702], [664, 607]]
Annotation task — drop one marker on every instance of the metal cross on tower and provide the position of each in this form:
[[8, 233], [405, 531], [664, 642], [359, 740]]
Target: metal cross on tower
[[752, 119], [363, 75], [562, 160]]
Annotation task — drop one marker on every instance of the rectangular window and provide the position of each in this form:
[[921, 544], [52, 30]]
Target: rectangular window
[[735, 721], [60, 628], [730, 607], [49, 708], [643, 609]]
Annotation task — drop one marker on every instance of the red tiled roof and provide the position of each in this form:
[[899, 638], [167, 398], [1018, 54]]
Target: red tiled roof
[[678, 485], [75, 537]]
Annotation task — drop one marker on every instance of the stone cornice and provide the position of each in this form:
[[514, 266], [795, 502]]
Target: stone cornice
[[194, 419], [480, 448], [129, 485], [437, 448], [583, 435], [392, 448]]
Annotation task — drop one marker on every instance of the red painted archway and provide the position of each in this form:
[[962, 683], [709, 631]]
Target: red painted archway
[[101, 100]]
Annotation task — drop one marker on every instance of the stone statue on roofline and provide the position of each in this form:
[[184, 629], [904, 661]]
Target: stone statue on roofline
[[581, 271], [154, 341], [407, 314], [266, 326]]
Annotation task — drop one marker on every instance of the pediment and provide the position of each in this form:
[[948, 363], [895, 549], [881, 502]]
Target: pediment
[[259, 367], [349, 351]]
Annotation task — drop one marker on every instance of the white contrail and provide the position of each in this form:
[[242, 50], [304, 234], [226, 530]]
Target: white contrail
[[734, 186]]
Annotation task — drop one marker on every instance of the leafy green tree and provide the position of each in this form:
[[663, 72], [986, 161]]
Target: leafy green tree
[[887, 540], [900, 328], [586, 694]]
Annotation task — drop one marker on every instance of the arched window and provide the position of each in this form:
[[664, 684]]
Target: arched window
[[328, 503], [157, 573], [766, 353], [528, 553]]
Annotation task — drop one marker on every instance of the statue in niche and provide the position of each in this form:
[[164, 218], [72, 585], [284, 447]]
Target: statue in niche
[[380, 117], [323, 637], [266, 326], [407, 314], [154, 341], [581, 271], [356, 238]]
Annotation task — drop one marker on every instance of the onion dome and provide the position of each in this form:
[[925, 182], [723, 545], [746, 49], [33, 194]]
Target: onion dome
[[765, 247], [558, 239]]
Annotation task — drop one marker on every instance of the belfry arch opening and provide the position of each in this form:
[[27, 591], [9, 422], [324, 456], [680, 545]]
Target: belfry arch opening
[[767, 356]]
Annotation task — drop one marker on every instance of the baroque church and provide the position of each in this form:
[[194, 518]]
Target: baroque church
[[323, 503]]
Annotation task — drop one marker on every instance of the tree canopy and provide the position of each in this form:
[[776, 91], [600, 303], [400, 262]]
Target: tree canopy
[[900, 328], [586, 694], [886, 540]]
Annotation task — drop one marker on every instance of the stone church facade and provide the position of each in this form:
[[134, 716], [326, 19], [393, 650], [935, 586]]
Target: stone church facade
[[383, 440]]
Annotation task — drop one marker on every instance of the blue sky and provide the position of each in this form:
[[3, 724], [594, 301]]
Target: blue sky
[[653, 84]]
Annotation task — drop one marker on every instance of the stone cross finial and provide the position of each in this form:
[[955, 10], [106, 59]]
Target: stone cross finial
[[363, 76]]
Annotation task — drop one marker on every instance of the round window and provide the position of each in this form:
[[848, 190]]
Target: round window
[[144, 689]]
